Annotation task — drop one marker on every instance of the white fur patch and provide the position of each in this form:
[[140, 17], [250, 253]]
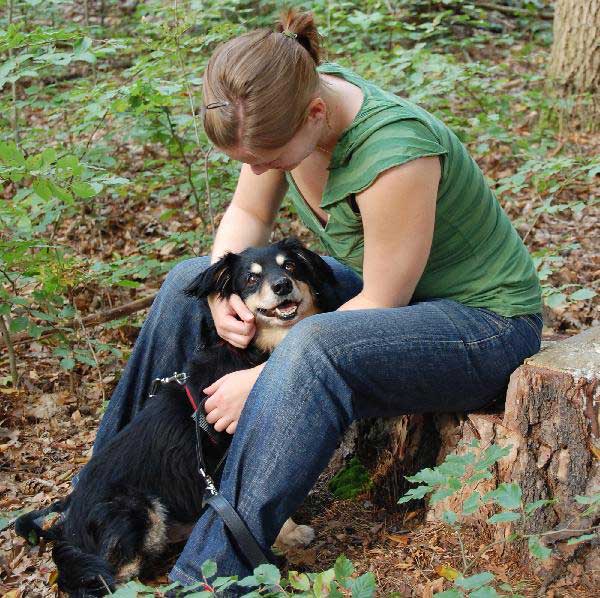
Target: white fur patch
[[280, 259], [292, 534], [255, 268]]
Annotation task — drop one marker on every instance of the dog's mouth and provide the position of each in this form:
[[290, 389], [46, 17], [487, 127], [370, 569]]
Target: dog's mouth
[[286, 310]]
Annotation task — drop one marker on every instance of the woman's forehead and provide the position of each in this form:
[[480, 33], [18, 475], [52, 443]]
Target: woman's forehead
[[251, 157]]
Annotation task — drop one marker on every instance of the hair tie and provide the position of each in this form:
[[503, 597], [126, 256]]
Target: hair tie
[[289, 34], [217, 104]]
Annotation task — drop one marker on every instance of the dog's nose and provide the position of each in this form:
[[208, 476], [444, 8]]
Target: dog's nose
[[283, 286]]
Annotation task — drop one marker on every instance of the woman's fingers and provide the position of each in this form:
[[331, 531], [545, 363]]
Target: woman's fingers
[[240, 308]]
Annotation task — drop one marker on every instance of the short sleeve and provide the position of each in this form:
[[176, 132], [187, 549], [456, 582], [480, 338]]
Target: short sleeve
[[391, 145]]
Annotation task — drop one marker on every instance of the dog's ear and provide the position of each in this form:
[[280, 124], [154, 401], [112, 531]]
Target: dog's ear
[[317, 266], [217, 278]]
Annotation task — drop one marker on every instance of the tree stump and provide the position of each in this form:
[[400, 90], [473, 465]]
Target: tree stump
[[551, 422]]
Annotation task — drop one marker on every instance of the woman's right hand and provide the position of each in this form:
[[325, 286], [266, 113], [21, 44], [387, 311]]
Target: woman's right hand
[[233, 320]]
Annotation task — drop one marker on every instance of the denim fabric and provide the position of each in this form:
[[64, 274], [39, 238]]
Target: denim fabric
[[330, 370]]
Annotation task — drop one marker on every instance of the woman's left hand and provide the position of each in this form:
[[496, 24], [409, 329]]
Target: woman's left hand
[[227, 397]]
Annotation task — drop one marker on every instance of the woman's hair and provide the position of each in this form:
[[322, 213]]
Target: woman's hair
[[261, 84]]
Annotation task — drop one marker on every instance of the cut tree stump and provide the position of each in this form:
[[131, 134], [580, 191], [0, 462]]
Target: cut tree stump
[[551, 421]]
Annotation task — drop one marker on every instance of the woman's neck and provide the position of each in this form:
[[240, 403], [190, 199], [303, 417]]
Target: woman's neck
[[343, 102]]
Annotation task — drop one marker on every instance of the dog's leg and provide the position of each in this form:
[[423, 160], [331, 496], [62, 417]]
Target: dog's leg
[[292, 535]]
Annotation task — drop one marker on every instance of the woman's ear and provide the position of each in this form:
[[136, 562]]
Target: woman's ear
[[317, 110], [217, 278]]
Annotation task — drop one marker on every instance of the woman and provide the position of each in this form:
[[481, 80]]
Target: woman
[[440, 298]]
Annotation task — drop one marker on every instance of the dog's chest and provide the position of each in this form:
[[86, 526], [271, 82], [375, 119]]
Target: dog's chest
[[268, 338]]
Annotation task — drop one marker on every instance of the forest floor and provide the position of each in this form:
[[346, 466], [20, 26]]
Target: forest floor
[[48, 424]]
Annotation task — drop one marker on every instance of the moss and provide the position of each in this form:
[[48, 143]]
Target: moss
[[351, 481]]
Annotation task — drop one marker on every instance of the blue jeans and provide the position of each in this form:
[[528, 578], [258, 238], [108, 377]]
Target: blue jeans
[[331, 369]]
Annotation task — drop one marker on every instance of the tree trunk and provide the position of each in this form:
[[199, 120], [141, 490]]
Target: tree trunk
[[552, 423], [575, 60]]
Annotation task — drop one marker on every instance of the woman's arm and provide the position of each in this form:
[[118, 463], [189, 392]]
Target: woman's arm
[[249, 219], [398, 214]]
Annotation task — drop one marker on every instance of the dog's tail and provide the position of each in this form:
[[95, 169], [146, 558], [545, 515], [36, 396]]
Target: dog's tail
[[81, 574]]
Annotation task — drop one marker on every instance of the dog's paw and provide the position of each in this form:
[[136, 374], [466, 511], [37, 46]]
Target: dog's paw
[[301, 535]]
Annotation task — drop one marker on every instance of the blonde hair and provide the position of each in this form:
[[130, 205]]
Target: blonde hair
[[262, 83]]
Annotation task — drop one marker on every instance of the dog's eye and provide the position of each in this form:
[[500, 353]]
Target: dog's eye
[[289, 267], [252, 279]]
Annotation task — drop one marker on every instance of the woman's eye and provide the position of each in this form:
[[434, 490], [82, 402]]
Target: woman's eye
[[289, 266]]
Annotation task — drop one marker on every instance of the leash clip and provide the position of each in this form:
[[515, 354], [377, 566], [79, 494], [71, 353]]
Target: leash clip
[[179, 377]]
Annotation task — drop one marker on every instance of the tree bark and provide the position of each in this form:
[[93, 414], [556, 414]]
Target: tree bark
[[551, 422], [575, 60]]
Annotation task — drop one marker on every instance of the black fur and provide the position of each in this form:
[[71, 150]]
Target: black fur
[[149, 467]]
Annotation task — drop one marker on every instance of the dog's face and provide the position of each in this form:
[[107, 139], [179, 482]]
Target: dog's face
[[280, 284]]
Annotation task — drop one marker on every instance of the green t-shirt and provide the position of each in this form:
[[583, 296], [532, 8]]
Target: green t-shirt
[[477, 258]]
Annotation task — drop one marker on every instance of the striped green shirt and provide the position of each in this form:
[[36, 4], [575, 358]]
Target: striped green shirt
[[477, 258]]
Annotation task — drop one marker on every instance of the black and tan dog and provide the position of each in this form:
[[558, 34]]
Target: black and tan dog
[[142, 491]]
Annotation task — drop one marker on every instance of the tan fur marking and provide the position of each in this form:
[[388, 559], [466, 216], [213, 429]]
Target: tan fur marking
[[130, 570], [156, 538], [280, 259], [256, 268]]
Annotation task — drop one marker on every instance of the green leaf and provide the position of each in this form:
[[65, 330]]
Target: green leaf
[[537, 549], [67, 363], [267, 574], [343, 568], [582, 294], [484, 592], [299, 581], [508, 496], [18, 324], [533, 506], [83, 189], [556, 300], [452, 593], [43, 188], [471, 503], [504, 517], [364, 586], [49, 155], [583, 538], [415, 494], [11, 154], [209, 569], [475, 581], [449, 517]]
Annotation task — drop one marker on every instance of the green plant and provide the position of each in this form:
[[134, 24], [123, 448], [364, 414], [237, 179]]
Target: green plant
[[458, 472]]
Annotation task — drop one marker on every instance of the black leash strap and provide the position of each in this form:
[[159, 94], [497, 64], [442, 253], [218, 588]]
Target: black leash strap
[[246, 542]]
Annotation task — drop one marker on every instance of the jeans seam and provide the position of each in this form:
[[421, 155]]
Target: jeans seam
[[530, 324]]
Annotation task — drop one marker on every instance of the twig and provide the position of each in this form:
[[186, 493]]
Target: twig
[[514, 11], [187, 163], [11, 351], [14, 83], [89, 344], [211, 214], [95, 319], [193, 110]]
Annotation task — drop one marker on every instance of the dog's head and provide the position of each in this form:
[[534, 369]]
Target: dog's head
[[281, 284]]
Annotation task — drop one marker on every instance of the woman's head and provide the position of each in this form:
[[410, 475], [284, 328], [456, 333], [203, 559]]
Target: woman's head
[[265, 85]]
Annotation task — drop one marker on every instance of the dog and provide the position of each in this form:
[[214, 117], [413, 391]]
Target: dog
[[142, 492]]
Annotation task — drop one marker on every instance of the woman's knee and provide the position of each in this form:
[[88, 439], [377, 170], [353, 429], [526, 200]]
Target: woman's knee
[[313, 338], [181, 275]]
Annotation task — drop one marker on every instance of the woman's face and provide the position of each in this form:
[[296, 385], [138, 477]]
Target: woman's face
[[299, 147]]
